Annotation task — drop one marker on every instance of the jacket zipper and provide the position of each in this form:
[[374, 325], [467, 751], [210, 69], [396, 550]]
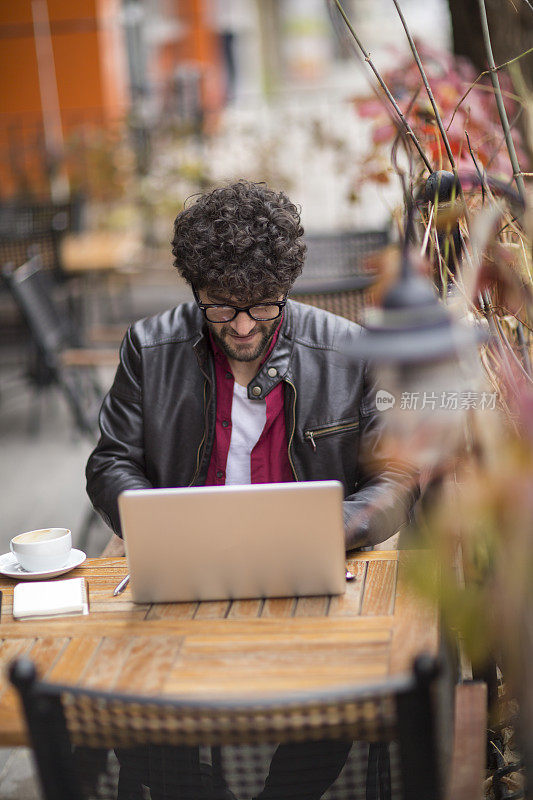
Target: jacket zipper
[[203, 439], [291, 437], [328, 430]]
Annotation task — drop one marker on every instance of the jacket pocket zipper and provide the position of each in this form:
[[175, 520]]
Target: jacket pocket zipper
[[293, 429], [329, 430]]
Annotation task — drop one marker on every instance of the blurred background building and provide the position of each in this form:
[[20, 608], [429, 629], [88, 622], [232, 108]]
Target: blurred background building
[[264, 83]]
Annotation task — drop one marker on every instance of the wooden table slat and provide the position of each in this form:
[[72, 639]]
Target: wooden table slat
[[380, 585], [415, 628], [245, 609], [108, 662], [212, 609], [349, 603], [118, 627], [46, 651], [172, 611], [74, 659], [278, 607], [149, 662], [311, 607], [9, 650]]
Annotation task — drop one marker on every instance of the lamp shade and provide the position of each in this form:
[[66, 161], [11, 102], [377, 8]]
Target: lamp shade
[[413, 326], [427, 371]]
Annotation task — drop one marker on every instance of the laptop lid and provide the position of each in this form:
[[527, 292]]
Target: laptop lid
[[234, 542]]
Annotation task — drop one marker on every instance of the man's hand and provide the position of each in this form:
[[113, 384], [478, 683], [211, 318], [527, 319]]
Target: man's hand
[[114, 547]]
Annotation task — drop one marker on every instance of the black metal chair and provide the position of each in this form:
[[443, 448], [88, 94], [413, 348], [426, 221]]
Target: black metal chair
[[31, 228], [21, 217], [35, 228], [375, 743], [59, 357]]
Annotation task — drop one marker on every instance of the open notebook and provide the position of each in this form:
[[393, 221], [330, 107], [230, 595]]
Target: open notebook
[[43, 599]]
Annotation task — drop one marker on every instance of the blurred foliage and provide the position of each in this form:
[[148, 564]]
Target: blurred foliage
[[450, 78], [100, 162], [476, 523]]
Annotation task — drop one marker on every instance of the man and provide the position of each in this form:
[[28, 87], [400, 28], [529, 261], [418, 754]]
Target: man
[[243, 385]]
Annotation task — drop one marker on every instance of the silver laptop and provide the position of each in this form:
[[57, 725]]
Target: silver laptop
[[229, 542]]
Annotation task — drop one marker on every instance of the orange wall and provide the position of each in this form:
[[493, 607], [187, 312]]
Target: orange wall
[[199, 46], [90, 68], [88, 55]]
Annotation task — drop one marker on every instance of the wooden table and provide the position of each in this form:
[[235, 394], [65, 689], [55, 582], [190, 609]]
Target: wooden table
[[222, 648], [98, 251]]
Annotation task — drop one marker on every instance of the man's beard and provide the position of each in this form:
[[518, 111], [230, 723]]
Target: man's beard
[[223, 340]]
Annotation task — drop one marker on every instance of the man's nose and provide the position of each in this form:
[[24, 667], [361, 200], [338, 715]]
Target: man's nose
[[243, 324]]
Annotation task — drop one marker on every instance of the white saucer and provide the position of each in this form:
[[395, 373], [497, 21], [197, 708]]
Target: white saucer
[[10, 566]]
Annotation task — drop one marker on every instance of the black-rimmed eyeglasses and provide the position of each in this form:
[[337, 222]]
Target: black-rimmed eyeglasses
[[260, 312]]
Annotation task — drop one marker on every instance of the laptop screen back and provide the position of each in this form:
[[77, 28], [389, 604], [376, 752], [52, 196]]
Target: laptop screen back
[[219, 543]]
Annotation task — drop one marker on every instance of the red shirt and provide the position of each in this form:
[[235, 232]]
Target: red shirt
[[269, 458]]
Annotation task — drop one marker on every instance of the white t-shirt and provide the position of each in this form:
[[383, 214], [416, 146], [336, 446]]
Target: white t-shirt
[[248, 418]]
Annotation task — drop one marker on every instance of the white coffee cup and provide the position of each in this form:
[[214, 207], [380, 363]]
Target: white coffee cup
[[42, 550]]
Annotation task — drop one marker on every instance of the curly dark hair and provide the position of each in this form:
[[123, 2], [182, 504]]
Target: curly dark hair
[[243, 240]]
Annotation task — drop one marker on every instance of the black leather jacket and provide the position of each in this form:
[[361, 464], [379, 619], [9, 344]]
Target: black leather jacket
[[158, 420]]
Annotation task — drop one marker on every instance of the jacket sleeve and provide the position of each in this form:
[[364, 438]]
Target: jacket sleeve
[[388, 488], [118, 463]]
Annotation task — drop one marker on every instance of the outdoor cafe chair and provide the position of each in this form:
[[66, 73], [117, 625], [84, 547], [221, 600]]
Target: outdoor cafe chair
[[61, 359], [95, 744], [341, 254], [335, 275], [34, 227], [58, 356], [346, 297]]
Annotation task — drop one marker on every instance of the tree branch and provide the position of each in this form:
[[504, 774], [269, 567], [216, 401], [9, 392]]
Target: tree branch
[[482, 75], [428, 87], [408, 130], [517, 172]]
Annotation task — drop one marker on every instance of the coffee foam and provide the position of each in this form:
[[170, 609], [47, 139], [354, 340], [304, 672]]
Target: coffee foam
[[44, 535]]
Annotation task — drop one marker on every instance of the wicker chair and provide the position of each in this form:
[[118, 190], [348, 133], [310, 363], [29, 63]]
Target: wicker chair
[[371, 743], [340, 255], [335, 275], [346, 297]]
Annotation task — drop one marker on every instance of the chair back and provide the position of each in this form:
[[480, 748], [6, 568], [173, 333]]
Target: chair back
[[16, 250], [335, 276], [340, 255], [346, 297], [19, 219], [32, 289], [35, 228], [373, 743]]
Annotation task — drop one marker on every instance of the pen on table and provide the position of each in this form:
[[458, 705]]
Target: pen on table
[[0, 604], [121, 586]]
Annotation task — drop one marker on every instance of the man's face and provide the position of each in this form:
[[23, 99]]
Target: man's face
[[242, 339]]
